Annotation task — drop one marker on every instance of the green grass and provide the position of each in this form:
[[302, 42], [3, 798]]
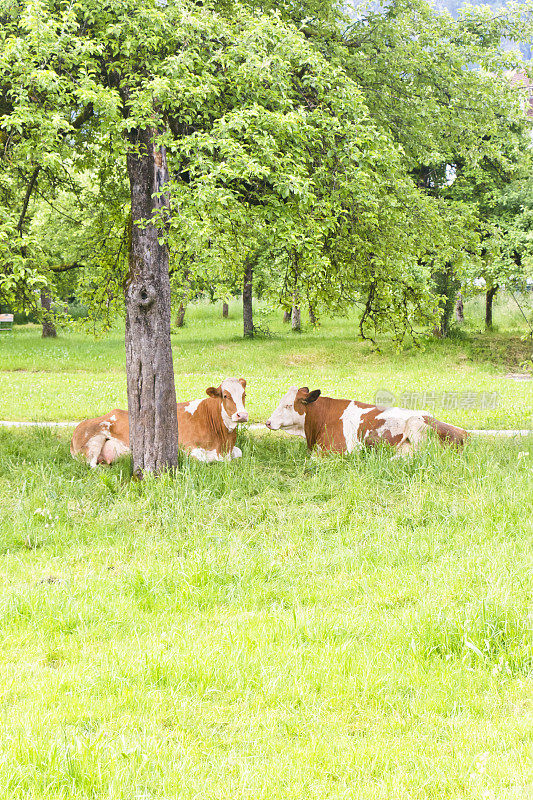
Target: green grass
[[75, 377], [274, 627], [277, 627]]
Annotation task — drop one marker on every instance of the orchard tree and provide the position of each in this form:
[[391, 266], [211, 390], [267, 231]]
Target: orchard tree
[[507, 256], [138, 76], [305, 182], [439, 86]]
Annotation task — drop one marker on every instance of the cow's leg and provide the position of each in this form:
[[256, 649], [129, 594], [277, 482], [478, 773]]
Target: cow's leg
[[236, 452], [414, 435], [93, 448], [372, 438], [199, 454], [206, 456], [404, 450]]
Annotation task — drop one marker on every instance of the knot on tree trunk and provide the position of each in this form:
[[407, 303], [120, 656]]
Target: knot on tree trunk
[[145, 296]]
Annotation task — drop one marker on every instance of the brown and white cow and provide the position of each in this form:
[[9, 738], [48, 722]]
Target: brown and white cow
[[206, 428], [341, 426]]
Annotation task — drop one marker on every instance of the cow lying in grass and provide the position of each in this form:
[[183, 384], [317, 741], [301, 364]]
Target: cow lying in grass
[[341, 426], [206, 428]]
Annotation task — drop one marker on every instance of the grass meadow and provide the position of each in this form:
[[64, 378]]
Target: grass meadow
[[76, 376], [277, 627]]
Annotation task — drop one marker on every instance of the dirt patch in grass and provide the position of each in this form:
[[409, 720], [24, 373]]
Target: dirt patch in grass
[[500, 349], [311, 357]]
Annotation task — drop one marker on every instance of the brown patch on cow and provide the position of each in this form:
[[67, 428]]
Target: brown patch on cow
[[370, 424], [323, 424], [205, 428]]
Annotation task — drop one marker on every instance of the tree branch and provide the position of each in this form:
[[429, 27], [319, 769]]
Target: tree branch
[[66, 267], [27, 196]]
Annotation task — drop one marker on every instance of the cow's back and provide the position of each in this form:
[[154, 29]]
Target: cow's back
[[342, 425]]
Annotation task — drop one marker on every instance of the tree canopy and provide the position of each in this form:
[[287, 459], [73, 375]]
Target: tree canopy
[[350, 160]]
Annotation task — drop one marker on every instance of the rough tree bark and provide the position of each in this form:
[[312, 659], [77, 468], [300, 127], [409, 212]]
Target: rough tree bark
[[150, 372], [312, 318], [286, 316], [180, 315], [296, 317], [247, 311], [49, 329], [489, 298], [225, 310], [459, 309]]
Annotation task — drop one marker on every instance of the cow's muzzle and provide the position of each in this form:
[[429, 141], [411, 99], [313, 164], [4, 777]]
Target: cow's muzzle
[[240, 416]]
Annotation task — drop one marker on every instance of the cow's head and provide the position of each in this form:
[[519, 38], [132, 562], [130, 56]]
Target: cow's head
[[232, 394], [290, 414]]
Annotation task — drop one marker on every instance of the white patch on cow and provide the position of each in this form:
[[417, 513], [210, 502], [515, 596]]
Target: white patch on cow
[[394, 420], [206, 456], [236, 390], [236, 452], [351, 419], [112, 418], [93, 448], [198, 453], [285, 416], [114, 449], [193, 405], [415, 433], [227, 420]]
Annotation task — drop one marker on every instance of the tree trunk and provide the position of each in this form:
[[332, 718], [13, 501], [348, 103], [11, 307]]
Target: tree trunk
[[296, 317], [149, 369], [447, 286], [489, 297], [312, 318], [459, 309], [180, 314], [185, 297], [247, 311], [49, 329], [225, 310], [286, 316]]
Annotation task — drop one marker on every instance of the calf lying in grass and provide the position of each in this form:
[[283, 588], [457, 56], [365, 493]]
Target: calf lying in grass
[[206, 428], [341, 426]]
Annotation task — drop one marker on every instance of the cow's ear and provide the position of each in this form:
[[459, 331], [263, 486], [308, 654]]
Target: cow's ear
[[212, 392], [311, 397], [242, 381]]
